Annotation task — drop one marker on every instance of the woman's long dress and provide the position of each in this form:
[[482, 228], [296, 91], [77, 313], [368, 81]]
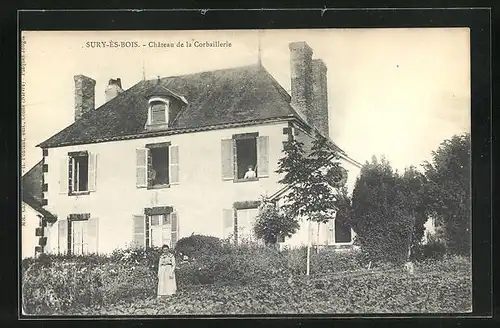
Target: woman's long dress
[[166, 275]]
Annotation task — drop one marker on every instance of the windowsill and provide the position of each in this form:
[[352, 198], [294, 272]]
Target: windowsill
[[341, 244], [78, 193], [162, 186], [246, 180], [157, 126]]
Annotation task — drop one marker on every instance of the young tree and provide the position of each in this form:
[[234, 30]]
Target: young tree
[[387, 214], [272, 224], [312, 179], [449, 177]]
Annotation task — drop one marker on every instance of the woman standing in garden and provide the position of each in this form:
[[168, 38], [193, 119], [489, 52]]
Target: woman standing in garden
[[166, 273]]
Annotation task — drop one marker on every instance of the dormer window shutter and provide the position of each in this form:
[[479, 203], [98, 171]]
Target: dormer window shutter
[[158, 112]]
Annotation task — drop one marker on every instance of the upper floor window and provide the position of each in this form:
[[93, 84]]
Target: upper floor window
[[245, 157], [157, 165], [78, 173]]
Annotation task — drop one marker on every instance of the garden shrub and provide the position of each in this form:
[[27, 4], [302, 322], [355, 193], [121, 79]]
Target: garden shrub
[[232, 264], [330, 261], [122, 282], [55, 283], [148, 257], [296, 259], [434, 249], [198, 245]]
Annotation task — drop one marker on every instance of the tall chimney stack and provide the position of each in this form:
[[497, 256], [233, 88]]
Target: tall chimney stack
[[302, 79], [320, 97], [84, 95], [113, 89]]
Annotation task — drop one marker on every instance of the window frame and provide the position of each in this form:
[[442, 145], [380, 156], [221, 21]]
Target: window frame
[[244, 136], [157, 145], [164, 211], [76, 218], [238, 206], [72, 171], [150, 123]]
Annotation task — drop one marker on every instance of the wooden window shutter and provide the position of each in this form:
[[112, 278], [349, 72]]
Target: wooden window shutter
[[63, 175], [263, 156], [92, 171], [158, 112], [227, 218], [93, 235], [174, 165], [227, 159], [174, 217], [62, 236], [142, 167], [139, 231]]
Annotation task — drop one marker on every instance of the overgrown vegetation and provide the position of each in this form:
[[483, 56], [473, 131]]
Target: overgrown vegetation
[[449, 189], [434, 288], [387, 212], [272, 223], [126, 282]]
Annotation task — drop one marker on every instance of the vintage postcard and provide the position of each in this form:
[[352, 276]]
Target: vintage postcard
[[223, 172]]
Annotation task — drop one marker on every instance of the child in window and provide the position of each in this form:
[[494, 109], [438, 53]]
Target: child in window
[[250, 174]]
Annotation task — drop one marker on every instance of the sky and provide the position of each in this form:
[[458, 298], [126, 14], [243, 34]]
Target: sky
[[392, 92]]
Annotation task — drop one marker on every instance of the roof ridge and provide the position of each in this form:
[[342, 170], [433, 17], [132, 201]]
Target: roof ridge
[[167, 78]]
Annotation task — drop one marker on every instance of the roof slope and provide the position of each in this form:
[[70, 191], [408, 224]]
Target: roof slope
[[235, 95], [31, 189]]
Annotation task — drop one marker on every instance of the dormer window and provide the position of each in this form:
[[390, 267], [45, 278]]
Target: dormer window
[[158, 114], [164, 106]]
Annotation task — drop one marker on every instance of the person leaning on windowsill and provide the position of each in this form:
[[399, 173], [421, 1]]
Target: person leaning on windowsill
[[250, 174]]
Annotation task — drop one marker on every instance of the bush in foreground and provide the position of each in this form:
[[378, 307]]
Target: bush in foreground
[[198, 245]]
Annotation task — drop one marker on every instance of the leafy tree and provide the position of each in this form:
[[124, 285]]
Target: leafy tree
[[448, 176], [312, 179], [272, 224], [387, 213]]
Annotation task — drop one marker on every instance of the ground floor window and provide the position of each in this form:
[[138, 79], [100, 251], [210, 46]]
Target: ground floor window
[[79, 237], [245, 221], [160, 230], [342, 232]]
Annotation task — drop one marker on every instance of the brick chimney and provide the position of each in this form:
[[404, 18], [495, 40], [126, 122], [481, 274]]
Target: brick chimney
[[319, 108], [84, 95], [113, 89], [301, 72]]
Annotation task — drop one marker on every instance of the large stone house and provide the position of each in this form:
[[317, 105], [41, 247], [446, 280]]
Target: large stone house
[[167, 157]]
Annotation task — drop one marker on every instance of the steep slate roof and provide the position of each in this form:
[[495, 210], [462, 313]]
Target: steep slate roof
[[247, 94], [32, 192]]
